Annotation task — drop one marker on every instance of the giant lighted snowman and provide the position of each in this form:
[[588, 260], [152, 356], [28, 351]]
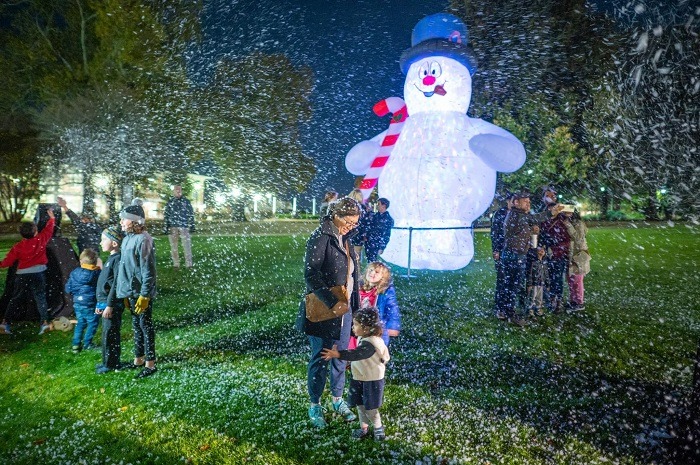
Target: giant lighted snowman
[[441, 172]]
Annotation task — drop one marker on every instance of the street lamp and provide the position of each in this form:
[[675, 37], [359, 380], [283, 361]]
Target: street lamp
[[101, 182], [220, 199], [256, 199]]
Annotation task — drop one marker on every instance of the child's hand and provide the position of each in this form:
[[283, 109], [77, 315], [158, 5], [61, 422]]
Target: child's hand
[[49, 212], [328, 354], [141, 304], [392, 332]]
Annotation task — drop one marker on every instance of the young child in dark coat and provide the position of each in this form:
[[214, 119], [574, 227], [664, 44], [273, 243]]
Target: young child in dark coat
[[368, 364], [379, 231], [537, 282], [82, 285], [88, 230], [108, 305]]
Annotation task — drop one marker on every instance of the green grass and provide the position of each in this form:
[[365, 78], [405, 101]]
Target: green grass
[[462, 387]]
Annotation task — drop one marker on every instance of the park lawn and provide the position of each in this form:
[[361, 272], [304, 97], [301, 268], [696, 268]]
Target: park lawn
[[593, 387]]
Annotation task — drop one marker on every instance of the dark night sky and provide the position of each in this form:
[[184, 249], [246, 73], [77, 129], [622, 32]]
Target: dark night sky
[[353, 48]]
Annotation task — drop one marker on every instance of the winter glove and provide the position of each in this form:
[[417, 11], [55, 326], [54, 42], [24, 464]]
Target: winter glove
[[141, 304]]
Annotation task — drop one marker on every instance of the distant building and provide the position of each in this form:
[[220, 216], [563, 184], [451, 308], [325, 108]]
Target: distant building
[[155, 195]]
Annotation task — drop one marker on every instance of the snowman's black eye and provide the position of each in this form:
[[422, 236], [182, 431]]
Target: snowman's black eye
[[424, 69]]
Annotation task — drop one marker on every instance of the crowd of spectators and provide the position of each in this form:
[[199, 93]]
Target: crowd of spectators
[[533, 252]]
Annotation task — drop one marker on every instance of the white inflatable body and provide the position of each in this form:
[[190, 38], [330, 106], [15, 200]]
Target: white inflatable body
[[442, 170]]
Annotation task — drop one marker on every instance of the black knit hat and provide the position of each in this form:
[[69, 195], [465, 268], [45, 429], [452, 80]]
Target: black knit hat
[[134, 212]]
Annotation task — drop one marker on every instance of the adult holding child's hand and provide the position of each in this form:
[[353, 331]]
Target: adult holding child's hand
[[330, 261]]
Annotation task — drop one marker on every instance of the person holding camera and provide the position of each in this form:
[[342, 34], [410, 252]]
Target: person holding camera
[[518, 227], [555, 238]]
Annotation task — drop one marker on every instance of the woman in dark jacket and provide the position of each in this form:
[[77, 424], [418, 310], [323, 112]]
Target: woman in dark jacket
[[330, 261]]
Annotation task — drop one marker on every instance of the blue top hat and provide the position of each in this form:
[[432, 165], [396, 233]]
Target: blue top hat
[[441, 34]]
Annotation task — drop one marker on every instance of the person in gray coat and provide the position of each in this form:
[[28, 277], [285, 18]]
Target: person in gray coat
[[136, 281]]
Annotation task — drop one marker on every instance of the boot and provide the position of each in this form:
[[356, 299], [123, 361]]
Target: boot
[[557, 306]]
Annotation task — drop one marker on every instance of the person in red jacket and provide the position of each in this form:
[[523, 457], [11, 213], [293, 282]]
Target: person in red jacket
[[30, 256]]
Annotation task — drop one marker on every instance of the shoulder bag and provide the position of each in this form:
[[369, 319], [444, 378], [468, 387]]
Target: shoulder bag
[[317, 311]]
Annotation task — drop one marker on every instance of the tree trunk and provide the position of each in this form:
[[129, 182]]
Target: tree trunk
[[127, 194], [88, 195], [604, 202], [616, 203], [111, 199], [238, 209], [651, 210]]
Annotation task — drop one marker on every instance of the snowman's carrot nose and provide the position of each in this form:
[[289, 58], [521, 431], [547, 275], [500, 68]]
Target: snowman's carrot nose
[[429, 80]]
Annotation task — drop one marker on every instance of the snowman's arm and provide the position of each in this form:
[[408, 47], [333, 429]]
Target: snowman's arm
[[379, 137], [496, 147], [360, 157]]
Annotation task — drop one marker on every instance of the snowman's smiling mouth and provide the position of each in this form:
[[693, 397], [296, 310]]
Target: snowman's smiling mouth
[[439, 89]]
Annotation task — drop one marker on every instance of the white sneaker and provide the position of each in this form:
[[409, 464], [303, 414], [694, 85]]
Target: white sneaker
[[44, 328]]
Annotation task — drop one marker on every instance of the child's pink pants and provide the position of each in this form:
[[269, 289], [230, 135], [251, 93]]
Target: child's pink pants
[[576, 289]]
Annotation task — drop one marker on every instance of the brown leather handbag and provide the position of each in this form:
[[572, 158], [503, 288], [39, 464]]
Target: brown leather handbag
[[317, 311]]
